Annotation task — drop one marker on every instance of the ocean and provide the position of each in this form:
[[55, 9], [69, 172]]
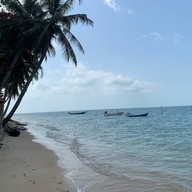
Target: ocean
[[120, 153]]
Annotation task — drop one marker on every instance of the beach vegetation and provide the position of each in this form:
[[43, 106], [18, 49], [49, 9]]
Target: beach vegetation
[[35, 24]]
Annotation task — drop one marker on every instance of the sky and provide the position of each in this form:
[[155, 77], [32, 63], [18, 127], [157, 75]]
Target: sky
[[137, 54]]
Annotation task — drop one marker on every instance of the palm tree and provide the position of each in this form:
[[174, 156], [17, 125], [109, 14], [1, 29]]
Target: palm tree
[[17, 21], [13, 76], [19, 76], [54, 24]]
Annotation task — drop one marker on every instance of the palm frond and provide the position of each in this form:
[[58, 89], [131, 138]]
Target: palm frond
[[34, 25], [15, 7], [73, 39], [76, 18], [67, 6], [68, 51]]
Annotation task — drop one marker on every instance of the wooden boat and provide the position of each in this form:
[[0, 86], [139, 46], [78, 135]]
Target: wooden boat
[[112, 113], [137, 115], [77, 113]]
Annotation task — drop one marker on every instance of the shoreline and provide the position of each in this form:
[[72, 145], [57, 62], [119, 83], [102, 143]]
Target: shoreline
[[29, 166]]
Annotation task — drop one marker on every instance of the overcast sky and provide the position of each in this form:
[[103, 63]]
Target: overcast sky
[[138, 54]]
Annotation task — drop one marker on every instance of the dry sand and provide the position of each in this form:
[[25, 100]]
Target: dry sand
[[26, 166]]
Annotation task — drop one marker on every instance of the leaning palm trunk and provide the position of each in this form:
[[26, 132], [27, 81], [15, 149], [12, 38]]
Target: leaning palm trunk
[[7, 75], [1, 115], [19, 99], [7, 106]]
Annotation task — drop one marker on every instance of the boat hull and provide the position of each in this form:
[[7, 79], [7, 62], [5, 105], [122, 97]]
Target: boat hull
[[137, 115], [113, 114], [77, 113]]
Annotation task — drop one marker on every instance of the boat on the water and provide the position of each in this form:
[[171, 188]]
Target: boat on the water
[[137, 115], [112, 113], [77, 112]]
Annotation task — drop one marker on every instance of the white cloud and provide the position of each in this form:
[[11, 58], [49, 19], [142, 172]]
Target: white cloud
[[158, 37], [112, 4], [129, 11], [71, 88], [176, 38], [116, 7], [71, 80]]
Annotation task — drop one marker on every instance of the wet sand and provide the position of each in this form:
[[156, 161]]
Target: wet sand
[[29, 166]]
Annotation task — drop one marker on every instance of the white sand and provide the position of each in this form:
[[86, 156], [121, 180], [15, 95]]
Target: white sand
[[26, 166]]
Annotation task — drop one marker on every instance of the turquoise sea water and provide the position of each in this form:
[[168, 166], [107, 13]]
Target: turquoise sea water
[[120, 153]]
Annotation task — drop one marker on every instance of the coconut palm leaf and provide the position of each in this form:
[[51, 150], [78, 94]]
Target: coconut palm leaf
[[43, 21]]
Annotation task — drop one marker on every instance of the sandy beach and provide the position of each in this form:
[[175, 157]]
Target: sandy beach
[[29, 166]]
